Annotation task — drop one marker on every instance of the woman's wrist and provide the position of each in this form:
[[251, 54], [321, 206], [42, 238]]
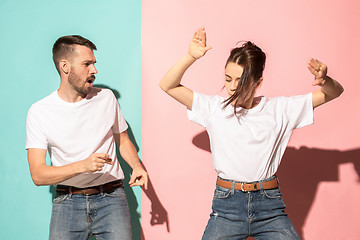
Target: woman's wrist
[[191, 57]]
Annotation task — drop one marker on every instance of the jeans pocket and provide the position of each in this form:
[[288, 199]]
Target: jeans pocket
[[60, 198], [273, 193], [117, 193], [221, 192]]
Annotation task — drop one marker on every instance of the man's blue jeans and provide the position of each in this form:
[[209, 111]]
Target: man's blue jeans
[[104, 215], [238, 215]]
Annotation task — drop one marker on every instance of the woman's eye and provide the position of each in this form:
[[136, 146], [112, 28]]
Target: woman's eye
[[228, 80]]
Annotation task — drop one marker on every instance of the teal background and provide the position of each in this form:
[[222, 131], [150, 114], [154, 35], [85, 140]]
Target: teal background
[[28, 30]]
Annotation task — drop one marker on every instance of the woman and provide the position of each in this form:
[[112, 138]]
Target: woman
[[248, 136]]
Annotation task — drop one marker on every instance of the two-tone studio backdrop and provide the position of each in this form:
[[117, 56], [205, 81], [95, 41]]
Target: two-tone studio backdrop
[[138, 41]]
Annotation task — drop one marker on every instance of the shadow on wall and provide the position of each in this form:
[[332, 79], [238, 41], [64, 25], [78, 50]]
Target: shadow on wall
[[300, 172], [158, 213]]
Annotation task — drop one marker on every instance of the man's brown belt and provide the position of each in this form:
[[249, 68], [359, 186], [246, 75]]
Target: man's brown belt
[[106, 188], [248, 187]]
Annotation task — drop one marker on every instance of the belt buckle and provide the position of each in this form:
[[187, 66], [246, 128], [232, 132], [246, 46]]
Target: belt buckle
[[242, 187], [85, 192]]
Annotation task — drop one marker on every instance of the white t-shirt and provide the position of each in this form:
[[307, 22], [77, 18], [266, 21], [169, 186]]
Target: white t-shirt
[[250, 148], [73, 131]]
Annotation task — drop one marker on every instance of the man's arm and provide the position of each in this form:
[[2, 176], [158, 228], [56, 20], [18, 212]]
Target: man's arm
[[43, 174], [139, 176]]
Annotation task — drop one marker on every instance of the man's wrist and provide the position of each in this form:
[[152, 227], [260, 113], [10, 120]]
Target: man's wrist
[[137, 165]]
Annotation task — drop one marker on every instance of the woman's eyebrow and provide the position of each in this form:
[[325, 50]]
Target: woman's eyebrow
[[238, 78]]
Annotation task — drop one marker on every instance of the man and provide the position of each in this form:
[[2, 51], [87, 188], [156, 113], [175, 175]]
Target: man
[[79, 125]]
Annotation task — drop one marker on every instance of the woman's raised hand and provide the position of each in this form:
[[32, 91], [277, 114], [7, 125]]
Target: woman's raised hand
[[319, 70], [198, 47]]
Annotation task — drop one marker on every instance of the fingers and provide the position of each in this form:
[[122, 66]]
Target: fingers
[[314, 63], [105, 157], [138, 181], [139, 178], [97, 161], [312, 69], [200, 36], [102, 155], [198, 48], [318, 81], [317, 68]]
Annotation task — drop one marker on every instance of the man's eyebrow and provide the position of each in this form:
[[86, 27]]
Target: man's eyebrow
[[89, 61]]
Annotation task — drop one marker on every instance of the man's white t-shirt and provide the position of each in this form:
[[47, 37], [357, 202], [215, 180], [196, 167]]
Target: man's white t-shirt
[[73, 131], [250, 148]]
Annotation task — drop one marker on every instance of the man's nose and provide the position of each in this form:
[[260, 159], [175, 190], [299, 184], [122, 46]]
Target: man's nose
[[94, 70]]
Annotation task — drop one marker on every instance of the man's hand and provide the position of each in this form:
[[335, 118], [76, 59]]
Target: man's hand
[[96, 161], [139, 177]]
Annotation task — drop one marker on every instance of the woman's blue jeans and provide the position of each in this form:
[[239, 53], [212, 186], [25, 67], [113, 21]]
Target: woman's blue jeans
[[104, 215], [238, 215]]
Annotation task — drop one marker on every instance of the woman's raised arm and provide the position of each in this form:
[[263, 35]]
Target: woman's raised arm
[[330, 88], [170, 83]]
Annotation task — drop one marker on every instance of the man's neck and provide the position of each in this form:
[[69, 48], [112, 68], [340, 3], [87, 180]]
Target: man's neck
[[69, 95]]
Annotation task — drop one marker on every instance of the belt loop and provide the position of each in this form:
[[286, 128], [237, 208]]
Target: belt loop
[[261, 187], [102, 190], [233, 188], [70, 192]]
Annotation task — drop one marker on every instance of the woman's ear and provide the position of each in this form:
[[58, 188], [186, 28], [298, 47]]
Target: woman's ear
[[64, 66], [258, 84]]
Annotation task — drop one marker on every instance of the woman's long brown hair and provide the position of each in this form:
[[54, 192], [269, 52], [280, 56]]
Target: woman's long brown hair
[[252, 59]]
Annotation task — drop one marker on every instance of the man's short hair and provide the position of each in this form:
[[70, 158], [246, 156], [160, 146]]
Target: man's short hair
[[64, 47]]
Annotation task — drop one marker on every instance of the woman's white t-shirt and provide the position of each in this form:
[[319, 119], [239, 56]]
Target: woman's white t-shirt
[[250, 148]]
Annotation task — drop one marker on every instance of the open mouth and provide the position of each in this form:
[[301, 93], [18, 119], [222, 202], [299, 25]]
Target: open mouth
[[90, 79]]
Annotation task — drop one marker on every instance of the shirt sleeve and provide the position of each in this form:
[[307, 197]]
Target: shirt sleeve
[[202, 108], [300, 111], [120, 124], [35, 137]]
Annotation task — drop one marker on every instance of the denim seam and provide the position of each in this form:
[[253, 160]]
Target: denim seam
[[249, 218], [88, 214]]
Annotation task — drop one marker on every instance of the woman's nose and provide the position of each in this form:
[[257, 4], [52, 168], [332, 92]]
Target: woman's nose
[[234, 84]]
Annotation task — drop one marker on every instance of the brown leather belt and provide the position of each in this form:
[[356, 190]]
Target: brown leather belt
[[105, 188], [248, 187]]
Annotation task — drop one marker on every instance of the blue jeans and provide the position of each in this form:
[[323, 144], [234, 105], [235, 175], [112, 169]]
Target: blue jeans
[[238, 215], [104, 215]]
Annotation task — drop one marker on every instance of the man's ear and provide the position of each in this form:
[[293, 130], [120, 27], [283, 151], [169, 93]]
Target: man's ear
[[64, 66]]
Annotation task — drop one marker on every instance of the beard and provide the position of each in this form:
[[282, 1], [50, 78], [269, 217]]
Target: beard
[[79, 85]]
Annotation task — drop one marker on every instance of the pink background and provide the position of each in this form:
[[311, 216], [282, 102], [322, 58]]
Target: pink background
[[319, 175]]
